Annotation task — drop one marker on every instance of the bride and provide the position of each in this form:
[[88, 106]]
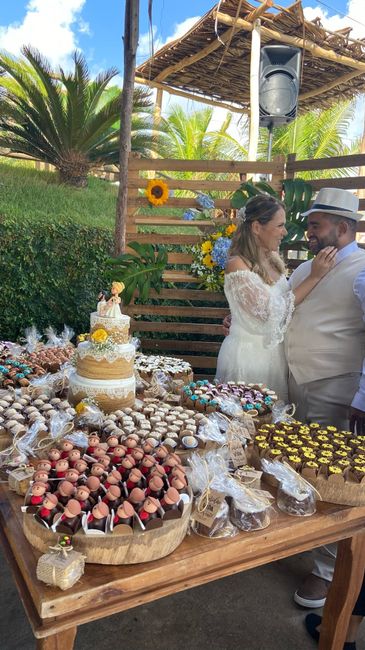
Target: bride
[[259, 297]]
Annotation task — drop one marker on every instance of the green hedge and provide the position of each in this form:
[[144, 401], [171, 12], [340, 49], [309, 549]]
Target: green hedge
[[50, 274]]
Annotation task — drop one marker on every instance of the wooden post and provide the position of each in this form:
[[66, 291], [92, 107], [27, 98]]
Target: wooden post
[[156, 122], [361, 192], [254, 91], [131, 31]]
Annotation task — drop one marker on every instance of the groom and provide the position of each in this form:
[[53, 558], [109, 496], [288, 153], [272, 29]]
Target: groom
[[325, 345]]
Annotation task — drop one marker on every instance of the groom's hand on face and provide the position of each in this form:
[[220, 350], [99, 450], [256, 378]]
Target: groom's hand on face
[[357, 421], [227, 324]]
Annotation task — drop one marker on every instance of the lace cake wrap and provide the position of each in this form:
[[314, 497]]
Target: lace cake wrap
[[117, 328], [114, 363]]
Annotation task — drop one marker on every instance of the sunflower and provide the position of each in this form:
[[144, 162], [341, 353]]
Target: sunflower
[[157, 192], [207, 261], [207, 246], [80, 408]]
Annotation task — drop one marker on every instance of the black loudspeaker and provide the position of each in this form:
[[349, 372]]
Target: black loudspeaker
[[279, 84]]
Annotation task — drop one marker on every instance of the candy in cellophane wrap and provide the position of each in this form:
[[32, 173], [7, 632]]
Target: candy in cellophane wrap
[[208, 476], [250, 509], [62, 567], [60, 426], [213, 429], [32, 339], [23, 448], [66, 335], [88, 415], [282, 412], [10, 349], [51, 384], [230, 405], [53, 340], [158, 387], [295, 495]]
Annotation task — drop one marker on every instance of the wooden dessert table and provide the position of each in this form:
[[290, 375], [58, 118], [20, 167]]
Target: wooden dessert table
[[104, 590]]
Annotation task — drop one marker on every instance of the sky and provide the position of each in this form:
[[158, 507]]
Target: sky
[[58, 27]]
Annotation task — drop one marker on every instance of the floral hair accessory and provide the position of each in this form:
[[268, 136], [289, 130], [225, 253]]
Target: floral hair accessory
[[241, 215]]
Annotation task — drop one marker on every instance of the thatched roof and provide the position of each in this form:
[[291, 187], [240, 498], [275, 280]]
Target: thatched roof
[[198, 65]]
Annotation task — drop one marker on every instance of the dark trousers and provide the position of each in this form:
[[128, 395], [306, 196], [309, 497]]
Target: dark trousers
[[359, 609]]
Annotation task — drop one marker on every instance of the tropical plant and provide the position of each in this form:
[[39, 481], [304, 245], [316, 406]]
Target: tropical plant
[[315, 134], [65, 118], [142, 271], [296, 195]]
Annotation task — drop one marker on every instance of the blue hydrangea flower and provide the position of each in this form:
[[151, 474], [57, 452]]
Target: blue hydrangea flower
[[220, 251], [189, 215], [205, 201]]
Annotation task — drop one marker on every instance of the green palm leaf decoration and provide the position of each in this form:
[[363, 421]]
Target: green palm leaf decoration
[[142, 271], [296, 195], [67, 119]]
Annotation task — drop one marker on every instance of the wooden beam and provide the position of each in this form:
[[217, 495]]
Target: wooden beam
[[189, 60], [254, 91], [337, 82], [316, 50], [215, 45], [256, 13], [195, 98]]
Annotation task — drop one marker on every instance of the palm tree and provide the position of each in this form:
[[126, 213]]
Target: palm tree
[[188, 135], [67, 119], [315, 134]]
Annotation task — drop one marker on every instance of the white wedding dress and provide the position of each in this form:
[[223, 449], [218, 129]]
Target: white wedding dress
[[254, 351]]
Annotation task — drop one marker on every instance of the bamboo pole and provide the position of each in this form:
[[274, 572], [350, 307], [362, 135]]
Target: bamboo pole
[[254, 91], [156, 123], [336, 82], [131, 30], [192, 96], [316, 50], [256, 13]]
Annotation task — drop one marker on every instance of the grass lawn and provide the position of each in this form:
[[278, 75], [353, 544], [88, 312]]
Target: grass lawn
[[28, 193]]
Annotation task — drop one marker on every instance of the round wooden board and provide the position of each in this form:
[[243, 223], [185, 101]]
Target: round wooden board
[[113, 548]]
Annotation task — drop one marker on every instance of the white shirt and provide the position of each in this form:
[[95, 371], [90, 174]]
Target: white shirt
[[303, 271]]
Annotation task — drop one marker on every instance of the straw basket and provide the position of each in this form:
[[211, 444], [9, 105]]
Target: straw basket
[[113, 548]]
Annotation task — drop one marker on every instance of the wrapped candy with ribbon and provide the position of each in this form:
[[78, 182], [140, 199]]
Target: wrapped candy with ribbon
[[63, 566]]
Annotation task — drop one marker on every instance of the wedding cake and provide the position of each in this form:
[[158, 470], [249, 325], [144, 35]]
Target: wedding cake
[[105, 363]]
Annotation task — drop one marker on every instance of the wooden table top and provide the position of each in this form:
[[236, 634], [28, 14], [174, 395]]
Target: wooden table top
[[105, 590]]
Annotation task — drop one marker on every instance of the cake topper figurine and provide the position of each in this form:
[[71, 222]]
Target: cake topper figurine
[[110, 308]]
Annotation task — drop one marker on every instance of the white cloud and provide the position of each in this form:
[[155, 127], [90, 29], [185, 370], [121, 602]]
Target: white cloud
[[145, 45], [355, 17], [49, 25]]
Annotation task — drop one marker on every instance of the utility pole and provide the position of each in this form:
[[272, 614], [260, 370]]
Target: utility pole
[[131, 33]]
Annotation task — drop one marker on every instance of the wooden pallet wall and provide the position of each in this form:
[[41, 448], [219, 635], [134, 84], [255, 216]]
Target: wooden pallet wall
[[189, 319]]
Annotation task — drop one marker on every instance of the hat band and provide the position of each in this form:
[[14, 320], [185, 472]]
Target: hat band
[[322, 206]]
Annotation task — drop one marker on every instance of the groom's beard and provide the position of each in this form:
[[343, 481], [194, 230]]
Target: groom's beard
[[316, 244]]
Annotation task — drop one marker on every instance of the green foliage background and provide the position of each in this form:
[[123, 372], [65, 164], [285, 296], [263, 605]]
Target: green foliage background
[[50, 274]]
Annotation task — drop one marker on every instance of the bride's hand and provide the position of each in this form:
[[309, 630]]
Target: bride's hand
[[323, 262]]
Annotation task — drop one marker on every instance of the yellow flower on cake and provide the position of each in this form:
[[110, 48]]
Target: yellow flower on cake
[[207, 246], [231, 229], [207, 261], [99, 336], [80, 408]]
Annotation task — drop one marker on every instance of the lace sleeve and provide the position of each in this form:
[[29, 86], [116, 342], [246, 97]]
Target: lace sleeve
[[268, 308]]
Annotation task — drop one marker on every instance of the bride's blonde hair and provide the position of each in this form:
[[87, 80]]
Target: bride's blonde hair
[[261, 208]]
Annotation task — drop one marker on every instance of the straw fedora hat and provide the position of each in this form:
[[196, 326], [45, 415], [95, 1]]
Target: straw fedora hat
[[338, 202]]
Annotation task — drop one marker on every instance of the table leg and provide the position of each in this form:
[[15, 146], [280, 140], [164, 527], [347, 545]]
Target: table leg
[[342, 596], [61, 641]]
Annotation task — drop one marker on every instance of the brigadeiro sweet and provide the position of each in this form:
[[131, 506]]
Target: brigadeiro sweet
[[70, 521], [171, 504], [97, 518], [48, 509], [64, 491], [124, 515], [136, 497]]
